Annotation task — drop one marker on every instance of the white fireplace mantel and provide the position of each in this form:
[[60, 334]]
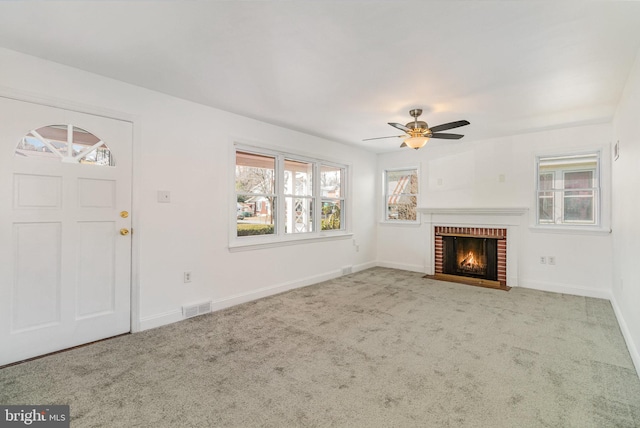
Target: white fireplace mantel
[[505, 216], [510, 218], [475, 211]]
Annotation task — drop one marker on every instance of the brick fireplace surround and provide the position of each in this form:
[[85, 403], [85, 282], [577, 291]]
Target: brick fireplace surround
[[476, 232]]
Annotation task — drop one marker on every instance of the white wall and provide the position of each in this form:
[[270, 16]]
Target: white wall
[[185, 148], [626, 207], [467, 174]]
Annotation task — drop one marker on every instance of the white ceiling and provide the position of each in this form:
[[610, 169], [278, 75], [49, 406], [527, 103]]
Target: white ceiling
[[343, 69]]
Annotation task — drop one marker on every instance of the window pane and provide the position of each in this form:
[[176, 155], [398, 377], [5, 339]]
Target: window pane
[[545, 181], [578, 180], [100, 156], [31, 146], [331, 215], [330, 181], [256, 217], [399, 182], [578, 207], [402, 207], [298, 178], [545, 207], [255, 173], [298, 215], [545, 199]]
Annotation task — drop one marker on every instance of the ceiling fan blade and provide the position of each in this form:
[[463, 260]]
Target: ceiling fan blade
[[449, 125], [403, 145], [400, 126], [447, 136], [380, 138]]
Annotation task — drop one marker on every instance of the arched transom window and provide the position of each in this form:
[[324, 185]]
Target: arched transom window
[[66, 143]]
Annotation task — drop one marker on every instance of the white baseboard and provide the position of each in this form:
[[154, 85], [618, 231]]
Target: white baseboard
[[401, 266], [176, 315], [631, 346], [364, 266], [565, 289], [159, 320]]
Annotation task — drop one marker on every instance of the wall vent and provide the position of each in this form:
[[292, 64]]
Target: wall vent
[[196, 309], [347, 270]]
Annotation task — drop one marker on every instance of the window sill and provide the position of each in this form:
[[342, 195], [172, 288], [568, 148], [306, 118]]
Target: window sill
[[571, 230], [260, 243]]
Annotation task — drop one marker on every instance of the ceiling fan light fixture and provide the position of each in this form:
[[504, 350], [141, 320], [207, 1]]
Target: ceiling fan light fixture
[[418, 133], [416, 142]]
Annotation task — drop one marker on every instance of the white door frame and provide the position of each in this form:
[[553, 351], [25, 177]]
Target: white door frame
[[33, 98]]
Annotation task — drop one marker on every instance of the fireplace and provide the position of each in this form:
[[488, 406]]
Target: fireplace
[[476, 256], [470, 256]]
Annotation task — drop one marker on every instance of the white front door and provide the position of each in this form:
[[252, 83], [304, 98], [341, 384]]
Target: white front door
[[65, 214]]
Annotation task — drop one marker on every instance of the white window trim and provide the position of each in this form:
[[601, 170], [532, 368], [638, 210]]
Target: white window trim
[[384, 219], [247, 243], [603, 215]]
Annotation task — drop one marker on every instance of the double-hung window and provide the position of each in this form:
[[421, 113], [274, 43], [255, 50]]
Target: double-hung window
[[298, 196], [401, 195], [568, 189], [282, 194]]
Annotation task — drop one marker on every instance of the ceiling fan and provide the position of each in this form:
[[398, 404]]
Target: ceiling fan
[[417, 133]]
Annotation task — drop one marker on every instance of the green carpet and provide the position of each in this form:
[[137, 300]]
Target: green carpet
[[378, 348]]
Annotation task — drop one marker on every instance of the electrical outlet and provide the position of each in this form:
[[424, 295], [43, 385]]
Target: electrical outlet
[[543, 260], [187, 277], [552, 260]]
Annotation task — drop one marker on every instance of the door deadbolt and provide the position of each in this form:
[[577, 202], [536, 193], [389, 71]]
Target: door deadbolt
[[124, 214]]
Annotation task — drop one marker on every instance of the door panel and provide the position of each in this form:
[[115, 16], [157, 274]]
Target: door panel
[[36, 282], [65, 271], [96, 273], [94, 193], [37, 191]]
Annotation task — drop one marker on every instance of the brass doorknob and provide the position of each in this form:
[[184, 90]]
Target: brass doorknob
[[124, 231]]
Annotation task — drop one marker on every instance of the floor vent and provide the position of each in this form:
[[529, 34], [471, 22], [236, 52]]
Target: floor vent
[[195, 310]]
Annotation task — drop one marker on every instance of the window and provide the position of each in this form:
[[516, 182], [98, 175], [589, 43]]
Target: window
[[281, 194], [401, 195], [66, 143], [256, 198], [568, 189], [331, 178], [298, 196]]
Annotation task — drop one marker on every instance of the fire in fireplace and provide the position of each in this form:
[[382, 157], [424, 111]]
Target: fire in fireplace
[[470, 256]]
